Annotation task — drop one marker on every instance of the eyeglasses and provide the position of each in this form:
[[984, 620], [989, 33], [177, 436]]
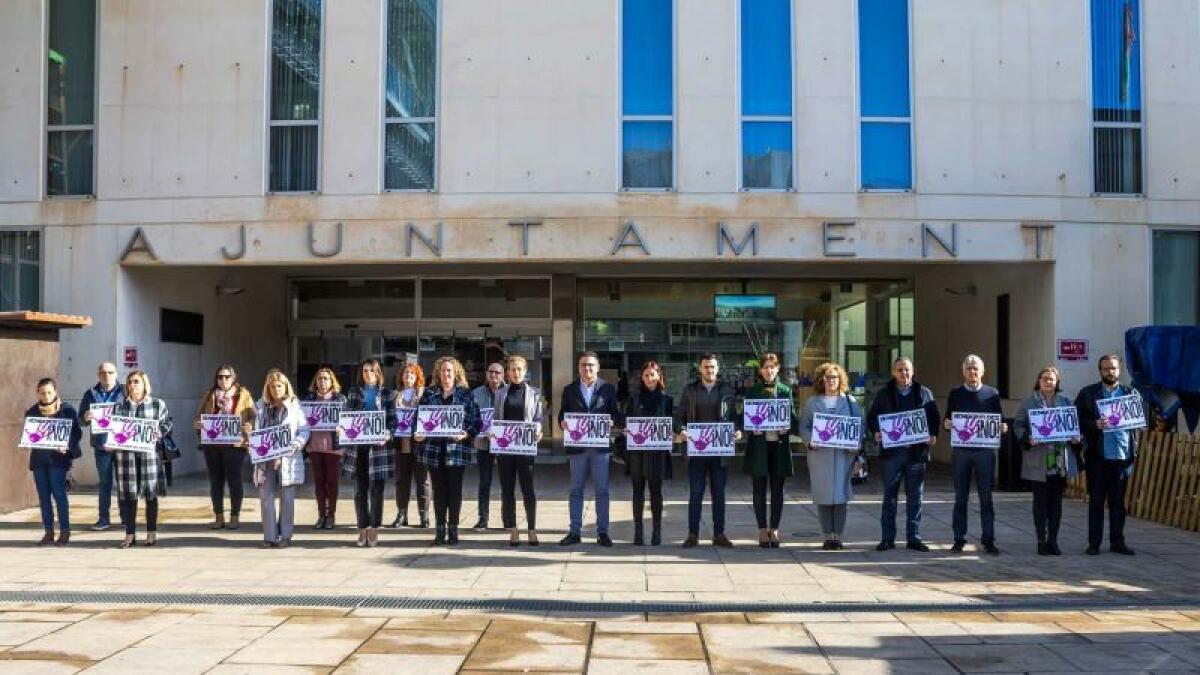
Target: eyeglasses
[[495, 372], [108, 372], [224, 376]]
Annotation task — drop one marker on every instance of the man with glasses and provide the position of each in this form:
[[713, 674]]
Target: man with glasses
[[484, 395], [106, 390], [589, 394]]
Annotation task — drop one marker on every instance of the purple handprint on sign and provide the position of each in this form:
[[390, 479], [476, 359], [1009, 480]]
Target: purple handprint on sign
[[967, 431], [826, 433], [895, 432]]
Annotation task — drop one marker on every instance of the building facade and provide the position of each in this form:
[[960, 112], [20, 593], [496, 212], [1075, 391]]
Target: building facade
[[294, 182]]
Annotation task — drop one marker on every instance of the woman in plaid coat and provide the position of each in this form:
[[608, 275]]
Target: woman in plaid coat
[[141, 474], [371, 466], [448, 458]]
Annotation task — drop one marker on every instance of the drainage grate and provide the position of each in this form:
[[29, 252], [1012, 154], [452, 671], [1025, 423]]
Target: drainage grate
[[518, 605]]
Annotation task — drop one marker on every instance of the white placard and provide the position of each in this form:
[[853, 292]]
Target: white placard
[[441, 421], [220, 430], [101, 412], [406, 421], [321, 415], [710, 439], [270, 442], [485, 419], [767, 414], [836, 431], [587, 430], [904, 428], [46, 433], [131, 434], [514, 438], [362, 427], [1123, 412], [1051, 425], [649, 433], [975, 430]]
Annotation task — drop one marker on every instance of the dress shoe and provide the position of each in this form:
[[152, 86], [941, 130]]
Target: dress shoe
[[424, 523], [320, 524], [400, 520], [958, 546], [452, 535], [1121, 549], [47, 538], [100, 526], [639, 536], [1043, 548], [917, 545], [691, 542], [721, 541], [1093, 550], [480, 524], [233, 523], [439, 537], [837, 544], [656, 535], [570, 540], [329, 522], [991, 549], [827, 545], [64, 538], [885, 545], [218, 522], [604, 540], [1053, 548]]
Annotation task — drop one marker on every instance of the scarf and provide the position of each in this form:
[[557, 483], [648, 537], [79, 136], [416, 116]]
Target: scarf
[[50, 410]]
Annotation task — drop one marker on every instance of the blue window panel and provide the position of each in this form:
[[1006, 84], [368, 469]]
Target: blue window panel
[[411, 59], [886, 156], [766, 57], [767, 155], [646, 67], [408, 156], [883, 58], [1116, 61], [295, 59], [646, 158]]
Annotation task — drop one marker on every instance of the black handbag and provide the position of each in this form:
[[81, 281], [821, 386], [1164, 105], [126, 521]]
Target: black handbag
[[167, 449], [860, 471]]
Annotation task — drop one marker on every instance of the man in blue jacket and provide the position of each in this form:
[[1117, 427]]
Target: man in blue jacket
[[905, 462], [106, 390], [589, 394]]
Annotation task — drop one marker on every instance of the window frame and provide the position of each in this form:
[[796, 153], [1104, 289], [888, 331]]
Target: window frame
[[268, 100], [40, 231], [1143, 156], [910, 120], [622, 118], [437, 100], [1150, 234], [48, 129], [741, 119]]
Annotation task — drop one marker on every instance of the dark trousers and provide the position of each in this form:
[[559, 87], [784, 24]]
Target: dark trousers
[[709, 470], [1106, 482], [51, 484], [225, 468], [760, 500], [513, 470], [982, 463], [408, 470], [639, 500], [486, 460], [325, 468], [908, 466], [447, 494], [105, 472], [368, 493], [129, 514], [1047, 508]]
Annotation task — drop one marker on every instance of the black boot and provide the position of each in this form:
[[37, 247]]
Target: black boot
[[638, 539], [439, 536], [452, 535], [401, 520], [656, 533]]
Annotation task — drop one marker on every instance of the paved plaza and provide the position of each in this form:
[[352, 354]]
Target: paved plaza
[[483, 606]]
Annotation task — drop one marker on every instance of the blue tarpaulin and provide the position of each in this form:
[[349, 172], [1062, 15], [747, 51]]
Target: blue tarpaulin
[[1167, 358]]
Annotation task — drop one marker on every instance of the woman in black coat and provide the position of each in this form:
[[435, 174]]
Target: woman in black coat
[[648, 468]]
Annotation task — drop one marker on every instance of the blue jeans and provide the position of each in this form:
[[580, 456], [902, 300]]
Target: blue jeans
[[51, 482], [593, 463], [907, 465], [486, 463], [709, 470], [104, 471], [981, 462]]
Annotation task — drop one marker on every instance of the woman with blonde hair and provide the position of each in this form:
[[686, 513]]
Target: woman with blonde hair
[[141, 474], [829, 468], [227, 396], [410, 385], [323, 451], [448, 458], [279, 407], [371, 466]]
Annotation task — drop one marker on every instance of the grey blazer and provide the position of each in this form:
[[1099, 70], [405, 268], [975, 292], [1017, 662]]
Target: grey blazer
[[535, 406], [1033, 457]]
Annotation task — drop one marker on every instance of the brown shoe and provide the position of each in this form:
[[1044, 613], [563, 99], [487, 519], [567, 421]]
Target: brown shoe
[[722, 541], [691, 542], [63, 538], [232, 524], [218, 521], [47, 538]]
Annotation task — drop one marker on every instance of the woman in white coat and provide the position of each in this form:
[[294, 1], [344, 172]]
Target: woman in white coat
[[829, 467], [281, 475]]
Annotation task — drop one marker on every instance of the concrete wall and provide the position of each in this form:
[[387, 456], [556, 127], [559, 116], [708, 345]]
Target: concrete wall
[[22, 44]]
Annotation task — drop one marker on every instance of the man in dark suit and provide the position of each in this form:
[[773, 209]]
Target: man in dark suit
[[589, 394]]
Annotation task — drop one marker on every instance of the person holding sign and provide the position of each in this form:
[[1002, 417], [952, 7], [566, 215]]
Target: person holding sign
[[517, 401], [484, 395], [1110, 448], [831, 426], [448, 454], [224, 460], [769, 422], [410, 385], [279, 412], [647, 440], [140, 473], [904, 417], [588, 395], [50, 457], [707, 400], [323, 452], [370, 465], [104, 395], [971, 455], [1046, 464]]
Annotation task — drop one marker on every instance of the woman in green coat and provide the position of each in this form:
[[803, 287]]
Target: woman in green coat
[[769, 453]]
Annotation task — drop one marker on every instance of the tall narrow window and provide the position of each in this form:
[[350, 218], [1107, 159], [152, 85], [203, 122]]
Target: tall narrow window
[[71, 98], [20, 275], [1117, 96], [1176, 278], [766, 39], [885, 109], [410, 95], [295, 95], [647, 95]]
